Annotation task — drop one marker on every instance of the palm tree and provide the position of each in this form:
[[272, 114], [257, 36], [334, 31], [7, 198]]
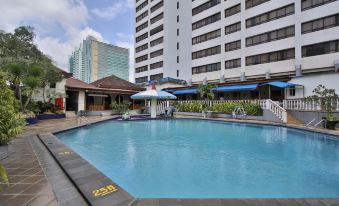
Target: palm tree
[[206, 91], [32, 82], [17, 72]]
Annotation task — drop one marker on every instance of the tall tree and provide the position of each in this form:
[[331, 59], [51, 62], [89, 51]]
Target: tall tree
[[206, 91]]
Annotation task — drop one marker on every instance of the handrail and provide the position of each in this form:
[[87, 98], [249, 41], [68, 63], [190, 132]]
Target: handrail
[[307, 104], [310, 123], [318, 123], [280, 112]]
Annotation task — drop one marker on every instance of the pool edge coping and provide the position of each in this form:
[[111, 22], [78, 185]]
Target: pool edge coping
[[122, 197]]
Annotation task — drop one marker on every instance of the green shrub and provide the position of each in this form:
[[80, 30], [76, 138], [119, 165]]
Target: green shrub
[[11, 121], [119, 108], [225, 107]]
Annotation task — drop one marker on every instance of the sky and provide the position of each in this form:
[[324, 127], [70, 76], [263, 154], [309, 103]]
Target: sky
[[61, 25]]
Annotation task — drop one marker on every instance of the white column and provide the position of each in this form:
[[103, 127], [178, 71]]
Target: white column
[[81, 100], [153, 108]]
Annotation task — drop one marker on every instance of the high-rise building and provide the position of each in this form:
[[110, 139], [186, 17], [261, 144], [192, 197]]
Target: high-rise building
[[235, 40], [94, 60]]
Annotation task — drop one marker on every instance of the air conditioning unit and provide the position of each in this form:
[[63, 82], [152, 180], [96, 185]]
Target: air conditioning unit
[[298, 71], [336, 65], [222, 79]]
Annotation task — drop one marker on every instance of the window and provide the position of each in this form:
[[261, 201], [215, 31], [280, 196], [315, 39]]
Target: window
[[206, 52], [52, 85], [157, 65], [177, 18], [320, 24], [142, 26], [157, 41], [141, 69], [156, 77], [177, 73], [308, 4], [253, 3], [205, 6], [270, 36], [157, 18], [206, 21], [270, 57], [141, 58], [233, 10], [142, 5], [233, 46], [141, 48], [320, 48], [177, 59], [291, 91], [177, 5], [270, 16], [206, 37], [141, 37], [156, 30], [177, 45], [141, 16], [141, 79], [234, 63], [233, 28], [206, 68], [177, 32], [157, 6], [157, 53]]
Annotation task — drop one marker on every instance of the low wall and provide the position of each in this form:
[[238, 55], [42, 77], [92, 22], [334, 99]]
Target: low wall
[[267, 116], [308, 116]]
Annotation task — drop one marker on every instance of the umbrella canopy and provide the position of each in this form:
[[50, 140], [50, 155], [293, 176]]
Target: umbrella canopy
[[153, 94]]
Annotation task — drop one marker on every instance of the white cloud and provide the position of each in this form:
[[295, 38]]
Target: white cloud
[[117, 8], [70, 15], [127, 41]]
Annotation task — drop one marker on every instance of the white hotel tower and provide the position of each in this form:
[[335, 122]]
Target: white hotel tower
[[238, 41]]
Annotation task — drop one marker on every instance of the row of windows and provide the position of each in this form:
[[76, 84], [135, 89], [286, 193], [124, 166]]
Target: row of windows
[[233, 46], [270, 36], [141, 37], [141, 69], [156, 30], [205, 6], [232, 10], [206, 21], [320, 48], [206, 68], [308, 4], [157, 65], [156, 77], [270, 16], [141, 16], [141, 48], [253, 3], [156, 53], [270, 57], [141, 58], [320, 24], [157, 18], [157, 41], [233, 63], [206, 37], [157, 6], [141, 79], [206, 52], [142, 5], [142, 26], [233, 28]]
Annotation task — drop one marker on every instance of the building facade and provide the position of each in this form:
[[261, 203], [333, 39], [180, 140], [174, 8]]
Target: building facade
[[236, 40], [94, 60]]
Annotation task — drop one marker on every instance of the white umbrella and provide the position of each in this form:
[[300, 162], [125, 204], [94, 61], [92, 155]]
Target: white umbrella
[[153, 95]]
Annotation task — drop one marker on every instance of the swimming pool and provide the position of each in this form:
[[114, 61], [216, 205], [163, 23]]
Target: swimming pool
[[184, 158]]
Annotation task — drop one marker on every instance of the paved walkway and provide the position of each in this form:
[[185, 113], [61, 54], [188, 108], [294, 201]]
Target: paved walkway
[[26, 168]]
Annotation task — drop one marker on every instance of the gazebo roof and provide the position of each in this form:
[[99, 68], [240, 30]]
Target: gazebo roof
[[114, 82]]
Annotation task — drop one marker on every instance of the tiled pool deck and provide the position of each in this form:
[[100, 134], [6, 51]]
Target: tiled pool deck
[[37, 178]]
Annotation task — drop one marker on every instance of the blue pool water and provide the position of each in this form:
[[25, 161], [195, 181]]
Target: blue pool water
[[206, 159]]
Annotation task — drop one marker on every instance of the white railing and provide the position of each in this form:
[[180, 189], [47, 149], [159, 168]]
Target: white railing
[[261, 102], [276, 109], [161, 106], [306, 104]]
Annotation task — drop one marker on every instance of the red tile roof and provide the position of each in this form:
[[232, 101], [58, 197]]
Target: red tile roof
[[108, 84]]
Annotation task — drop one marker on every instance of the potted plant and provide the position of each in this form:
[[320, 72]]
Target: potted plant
[[30, 117], [206, 92], [327, 99]]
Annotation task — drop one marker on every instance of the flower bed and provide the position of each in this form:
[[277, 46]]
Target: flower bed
[[50, 116]]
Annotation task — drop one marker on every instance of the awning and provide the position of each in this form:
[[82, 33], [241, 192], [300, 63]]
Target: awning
[[240, 87], [186, 91], [281, 84]]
